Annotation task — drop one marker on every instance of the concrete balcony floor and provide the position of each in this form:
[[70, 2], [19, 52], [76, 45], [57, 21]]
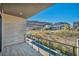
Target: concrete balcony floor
[[21, 49]]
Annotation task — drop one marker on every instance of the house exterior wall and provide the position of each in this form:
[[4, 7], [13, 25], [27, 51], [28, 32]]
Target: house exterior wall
[[76, 25], [13, 29], [0, 32]]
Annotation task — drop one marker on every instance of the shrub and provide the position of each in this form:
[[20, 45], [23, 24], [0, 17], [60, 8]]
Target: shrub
[[64, 50]]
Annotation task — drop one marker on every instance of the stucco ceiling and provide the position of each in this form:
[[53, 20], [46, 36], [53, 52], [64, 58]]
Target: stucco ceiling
[[24, 10]]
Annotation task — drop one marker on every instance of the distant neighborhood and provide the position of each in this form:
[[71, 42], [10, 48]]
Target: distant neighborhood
[[37, 25]]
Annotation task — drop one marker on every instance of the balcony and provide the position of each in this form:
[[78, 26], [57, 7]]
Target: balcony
[[50, 48], [20, 49]]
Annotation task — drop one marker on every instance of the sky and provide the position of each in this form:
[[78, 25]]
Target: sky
[[60, 12]]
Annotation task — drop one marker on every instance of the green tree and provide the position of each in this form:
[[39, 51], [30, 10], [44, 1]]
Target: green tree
[[66, 27]]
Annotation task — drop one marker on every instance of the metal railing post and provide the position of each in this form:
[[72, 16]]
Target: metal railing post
[[25, 37], [31, 38], [38, 42], [49, 46], [74, 51]]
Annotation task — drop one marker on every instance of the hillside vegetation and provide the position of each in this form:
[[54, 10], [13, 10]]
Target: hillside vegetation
[[67, 37]]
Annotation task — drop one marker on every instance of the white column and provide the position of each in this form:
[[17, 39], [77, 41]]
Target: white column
[[78, 46]]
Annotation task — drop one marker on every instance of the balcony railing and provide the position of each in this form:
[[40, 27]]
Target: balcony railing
[[52, 47]]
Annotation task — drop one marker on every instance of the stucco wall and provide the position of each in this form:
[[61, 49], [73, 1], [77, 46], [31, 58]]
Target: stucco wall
[[13, 29]]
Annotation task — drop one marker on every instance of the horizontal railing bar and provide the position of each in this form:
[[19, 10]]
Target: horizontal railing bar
[[59, 42]]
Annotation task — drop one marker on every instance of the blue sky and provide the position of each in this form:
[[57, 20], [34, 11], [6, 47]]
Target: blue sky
[[60, 12]]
